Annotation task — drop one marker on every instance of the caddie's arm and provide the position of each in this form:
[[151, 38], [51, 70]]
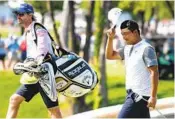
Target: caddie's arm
[[152, 64], [42, 45], [110, 52]]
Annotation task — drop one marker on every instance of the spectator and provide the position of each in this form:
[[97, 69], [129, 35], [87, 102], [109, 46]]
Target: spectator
[[13, 49], [22, 48], [2, 53], [166, 59]]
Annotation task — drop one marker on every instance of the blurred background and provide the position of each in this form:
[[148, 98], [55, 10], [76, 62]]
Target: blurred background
[[80, 26]]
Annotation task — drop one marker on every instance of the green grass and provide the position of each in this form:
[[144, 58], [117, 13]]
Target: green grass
[[115, 82], [36, 108], [9, 83], [5, 30], [166, 88]]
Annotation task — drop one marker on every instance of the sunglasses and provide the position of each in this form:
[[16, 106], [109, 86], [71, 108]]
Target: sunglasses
[[20, 14]]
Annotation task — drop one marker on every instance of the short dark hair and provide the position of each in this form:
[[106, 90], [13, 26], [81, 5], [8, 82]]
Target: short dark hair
[[131, 25]]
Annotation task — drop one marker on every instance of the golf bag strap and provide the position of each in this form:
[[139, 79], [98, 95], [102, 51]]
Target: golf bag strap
[[60, 51]]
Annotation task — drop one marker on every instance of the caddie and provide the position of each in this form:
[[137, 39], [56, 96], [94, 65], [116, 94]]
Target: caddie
[[38, 51]]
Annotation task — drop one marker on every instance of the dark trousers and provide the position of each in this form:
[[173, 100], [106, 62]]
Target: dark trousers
[[133, 109]]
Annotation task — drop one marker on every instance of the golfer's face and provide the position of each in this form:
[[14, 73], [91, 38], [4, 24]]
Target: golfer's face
[[128, 36]]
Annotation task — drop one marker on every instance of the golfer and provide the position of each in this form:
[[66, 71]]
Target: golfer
[[141, 70]]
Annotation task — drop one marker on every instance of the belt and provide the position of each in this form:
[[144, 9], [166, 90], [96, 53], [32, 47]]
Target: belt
[[136, 96]]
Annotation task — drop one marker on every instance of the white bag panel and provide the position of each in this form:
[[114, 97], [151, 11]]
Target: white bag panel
[[61, 60], [75, 91], [74, 64], [61, 84], [84, 78]]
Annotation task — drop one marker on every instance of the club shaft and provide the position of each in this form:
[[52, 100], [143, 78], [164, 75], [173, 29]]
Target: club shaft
[[156, 109]]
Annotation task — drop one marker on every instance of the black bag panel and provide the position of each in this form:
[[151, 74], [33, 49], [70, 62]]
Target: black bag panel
[[72, 58], [77, 70]]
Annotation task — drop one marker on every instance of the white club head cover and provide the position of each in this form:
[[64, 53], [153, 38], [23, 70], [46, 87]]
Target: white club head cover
[[114, 14]]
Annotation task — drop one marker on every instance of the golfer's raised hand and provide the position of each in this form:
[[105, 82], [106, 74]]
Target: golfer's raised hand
[[152, 102], [111, 32]]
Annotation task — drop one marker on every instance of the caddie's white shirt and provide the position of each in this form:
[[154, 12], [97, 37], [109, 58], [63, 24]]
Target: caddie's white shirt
[[43, 42], [137, 74]]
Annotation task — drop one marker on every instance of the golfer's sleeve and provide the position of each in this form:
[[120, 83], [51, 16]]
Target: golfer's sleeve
[[121, 52], [150, 57]]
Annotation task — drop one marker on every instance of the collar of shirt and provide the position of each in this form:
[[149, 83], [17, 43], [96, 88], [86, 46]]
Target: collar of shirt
[[134, 46], [29, 27], [137, 44]]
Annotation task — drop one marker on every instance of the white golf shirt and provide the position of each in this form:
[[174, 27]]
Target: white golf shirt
[[43, 45], [137, 58]]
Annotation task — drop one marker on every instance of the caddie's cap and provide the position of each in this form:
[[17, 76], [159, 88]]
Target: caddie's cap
[[24, 8]]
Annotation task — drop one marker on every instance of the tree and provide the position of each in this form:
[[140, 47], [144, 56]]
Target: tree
[[99, 22], [65, 25], [79, 103], [145, 10], [39, 6], [101, 11], [103, 90], [74, 41], [50, 9], [89, 20], [170, 5]]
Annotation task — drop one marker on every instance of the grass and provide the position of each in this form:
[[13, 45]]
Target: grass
[[6, 30], [8, 85], [36, 108], [115, 82]]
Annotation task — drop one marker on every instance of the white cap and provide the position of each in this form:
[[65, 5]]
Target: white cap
[[114, 14]]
